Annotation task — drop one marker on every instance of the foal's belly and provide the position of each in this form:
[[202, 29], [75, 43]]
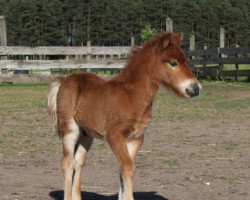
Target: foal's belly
[[94, 133]]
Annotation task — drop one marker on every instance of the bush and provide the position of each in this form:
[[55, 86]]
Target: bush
[[148, 33]]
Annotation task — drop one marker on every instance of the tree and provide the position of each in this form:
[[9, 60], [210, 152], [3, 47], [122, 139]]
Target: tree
[[114, 22]]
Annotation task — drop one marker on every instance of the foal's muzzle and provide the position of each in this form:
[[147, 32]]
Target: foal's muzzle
[[194, 90]]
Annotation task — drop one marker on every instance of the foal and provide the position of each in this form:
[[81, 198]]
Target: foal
[[84, 106]]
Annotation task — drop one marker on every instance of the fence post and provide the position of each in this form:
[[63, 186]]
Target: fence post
[[88, 54], [132, 41], [169, 25], [222, 37], [192, 42], [222, 44], [3, 35], [89, 50], [205, 57], [236, 64], [222, 40]]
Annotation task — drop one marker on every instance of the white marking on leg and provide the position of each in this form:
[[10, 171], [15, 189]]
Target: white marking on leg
[[126, 185], [78, 165], [84, 144], [132, 149], [69, 143], [127, 193], [121, 190]]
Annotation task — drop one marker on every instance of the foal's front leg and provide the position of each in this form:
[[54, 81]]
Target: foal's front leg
[[118, 144], [133, 148]]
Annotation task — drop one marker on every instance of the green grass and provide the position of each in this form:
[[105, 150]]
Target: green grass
[[171, 162], [217, 99], [22, 96], [241, 67], [25, 126], [23, 119], [102, 146]]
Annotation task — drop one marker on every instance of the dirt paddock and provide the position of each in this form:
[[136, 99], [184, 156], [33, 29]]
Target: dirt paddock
[[193, 149]]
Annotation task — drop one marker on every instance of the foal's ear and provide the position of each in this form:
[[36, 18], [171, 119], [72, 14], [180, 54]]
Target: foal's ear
[[164, 42], [170, 38], [177, 37]]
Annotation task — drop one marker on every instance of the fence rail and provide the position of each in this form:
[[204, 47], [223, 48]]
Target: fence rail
[[211, 62], [62, 64], [45, 58], [207, 62], [53, 50]]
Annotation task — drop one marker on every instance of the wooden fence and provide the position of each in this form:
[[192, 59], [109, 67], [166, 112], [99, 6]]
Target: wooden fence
[[211, 62], [42, 58]]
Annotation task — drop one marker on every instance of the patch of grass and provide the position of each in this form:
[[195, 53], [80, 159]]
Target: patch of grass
[[23, 112], [237, 178], [229, 146], [23, 118], [187, 178], [101, 146], [231, 104], [171, 162], [241, 67], [217, 99], [18, 140], [22, 96]]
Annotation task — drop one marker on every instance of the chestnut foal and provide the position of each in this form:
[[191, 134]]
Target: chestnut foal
[[84, 106]]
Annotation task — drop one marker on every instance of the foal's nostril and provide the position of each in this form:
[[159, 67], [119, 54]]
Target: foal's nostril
[[191, 88], [196, 90]]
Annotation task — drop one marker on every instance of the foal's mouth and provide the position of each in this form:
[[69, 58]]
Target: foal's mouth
[[191, 89], [194, 91]]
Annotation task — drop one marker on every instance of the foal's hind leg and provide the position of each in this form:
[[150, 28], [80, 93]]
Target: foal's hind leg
[[84, 143], [70, 132]]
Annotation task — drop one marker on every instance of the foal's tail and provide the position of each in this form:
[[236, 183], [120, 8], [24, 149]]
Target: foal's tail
[[52, 102]]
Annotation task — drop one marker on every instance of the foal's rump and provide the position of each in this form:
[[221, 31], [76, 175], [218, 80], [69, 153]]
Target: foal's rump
[[64, 97]]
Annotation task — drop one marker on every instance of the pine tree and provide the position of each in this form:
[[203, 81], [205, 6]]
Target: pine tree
[[114, 22]]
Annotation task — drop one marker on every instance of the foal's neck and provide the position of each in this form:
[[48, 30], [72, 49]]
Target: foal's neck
[[136, 78]]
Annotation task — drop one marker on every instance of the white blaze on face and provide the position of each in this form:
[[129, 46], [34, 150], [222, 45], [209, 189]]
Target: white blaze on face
[[188, 85]]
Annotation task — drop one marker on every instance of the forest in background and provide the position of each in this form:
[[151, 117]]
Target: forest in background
[[114, 22]]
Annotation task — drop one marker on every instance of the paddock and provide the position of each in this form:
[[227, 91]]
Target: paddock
[[201, 150]]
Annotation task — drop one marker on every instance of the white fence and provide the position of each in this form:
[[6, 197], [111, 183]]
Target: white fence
[[62, 57]]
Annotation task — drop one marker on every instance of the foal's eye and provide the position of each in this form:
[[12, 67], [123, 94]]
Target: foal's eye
[[173, 63]]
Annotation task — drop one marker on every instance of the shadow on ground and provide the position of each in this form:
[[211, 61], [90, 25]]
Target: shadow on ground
[[58, 195]]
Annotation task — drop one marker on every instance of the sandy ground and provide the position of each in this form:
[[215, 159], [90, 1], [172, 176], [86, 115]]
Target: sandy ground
[[203, 159], [192, 160]]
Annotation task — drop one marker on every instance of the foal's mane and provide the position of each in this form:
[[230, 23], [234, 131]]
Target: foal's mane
[[140, 60], [139, 55], [146, 46]]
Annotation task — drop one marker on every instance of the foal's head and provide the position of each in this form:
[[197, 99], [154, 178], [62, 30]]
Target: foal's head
[[171, 68]]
